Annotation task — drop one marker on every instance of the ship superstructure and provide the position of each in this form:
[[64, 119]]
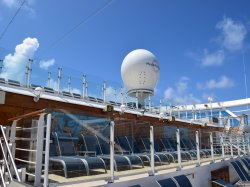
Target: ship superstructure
[[54, 136]]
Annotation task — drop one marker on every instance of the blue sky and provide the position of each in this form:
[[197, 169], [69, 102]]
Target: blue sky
[[199, 44]]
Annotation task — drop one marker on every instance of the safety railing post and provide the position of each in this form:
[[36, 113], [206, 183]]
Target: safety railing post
[[112, 145], [198, 148], [152, 150], [39, 150], [47, 146], [222, 146], [178, 149], [212, 147]]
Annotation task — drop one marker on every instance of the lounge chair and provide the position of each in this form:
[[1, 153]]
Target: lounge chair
[[169, 146], [183, 181], [177, 181], [188, 150], [165, 156], [191, 144], [67, 149], [67, 164], [222, 183], [167, 183], [246, 163], [241, 172], [130, 141], [101, 148]]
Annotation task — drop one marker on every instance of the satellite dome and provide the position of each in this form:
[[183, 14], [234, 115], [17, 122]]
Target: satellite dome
[[140, 73]]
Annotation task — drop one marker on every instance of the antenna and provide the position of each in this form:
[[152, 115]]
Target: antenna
[[245, 74], [1, 65]]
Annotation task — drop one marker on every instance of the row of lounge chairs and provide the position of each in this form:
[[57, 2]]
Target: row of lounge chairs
[[177, 181], [240, 170], [95, 153]]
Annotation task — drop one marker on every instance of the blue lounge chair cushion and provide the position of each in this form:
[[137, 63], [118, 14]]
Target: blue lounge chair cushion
[[167, 183], [183, 181], [223, 183]]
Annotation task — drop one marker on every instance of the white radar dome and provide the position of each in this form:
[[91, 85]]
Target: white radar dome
[[140, 72]]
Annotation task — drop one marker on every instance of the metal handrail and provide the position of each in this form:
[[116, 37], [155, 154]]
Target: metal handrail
[[10, 154], [3, 182], [5, 160]]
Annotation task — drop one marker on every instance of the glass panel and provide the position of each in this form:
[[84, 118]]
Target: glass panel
[[80, 147], [128, 137], [166, 156]]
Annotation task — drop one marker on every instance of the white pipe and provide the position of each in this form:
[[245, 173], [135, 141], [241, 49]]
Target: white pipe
[[178, 148], [152, 150], [212, 147], [47, 146], [198, 148], [222, 146], [112, 128]]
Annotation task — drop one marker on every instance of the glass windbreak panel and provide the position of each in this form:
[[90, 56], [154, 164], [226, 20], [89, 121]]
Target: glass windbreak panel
[[187, 146], [128, 138], [79, 148], [76, 87], [206, 138], [165, 147]]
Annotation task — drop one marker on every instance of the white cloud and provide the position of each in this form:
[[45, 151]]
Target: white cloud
[[187, 99], [113, 94], [10, 3], [14, 64], [46, 64], [233, 34], [182, 84], [169, 93], [212, 59], [179, 94], [205, 96], [221, 83], [75, 90], [27, 6]]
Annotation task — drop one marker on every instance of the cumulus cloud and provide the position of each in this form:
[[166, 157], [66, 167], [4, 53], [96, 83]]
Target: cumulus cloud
[[45, 64], [14, 64], [222, 83], [27, 6], [212, 59], [233, 34], [182, 84], [72, 90], [179, 94], [231, 38], [10, 3], [169, 93]]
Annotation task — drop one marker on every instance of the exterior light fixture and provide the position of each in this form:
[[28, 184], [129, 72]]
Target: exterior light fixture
[[37, 92]]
